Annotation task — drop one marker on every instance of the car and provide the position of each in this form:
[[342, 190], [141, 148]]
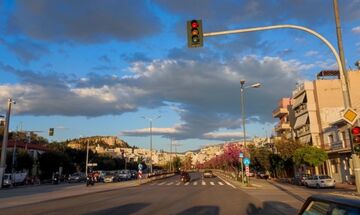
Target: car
[[321, 204], [185, 177], [77, 177], [208, 174], [134, 174], [300, 179], [262, 175], [109, 177], [320, 181], [124, 175]]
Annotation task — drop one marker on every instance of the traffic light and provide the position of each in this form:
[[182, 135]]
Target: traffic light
[[355, 131], [195, 33], [51, 131]]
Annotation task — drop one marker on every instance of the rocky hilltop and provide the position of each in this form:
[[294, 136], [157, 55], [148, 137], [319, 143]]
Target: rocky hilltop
[[109, 142]]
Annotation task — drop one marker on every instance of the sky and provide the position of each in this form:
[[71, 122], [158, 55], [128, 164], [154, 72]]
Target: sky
[[106, 67]]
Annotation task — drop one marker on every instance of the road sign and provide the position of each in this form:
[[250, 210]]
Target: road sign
[[247, 170], [241, 155], [139, 174], [92, 164], [246, 161], [350, 116], [140, 166]]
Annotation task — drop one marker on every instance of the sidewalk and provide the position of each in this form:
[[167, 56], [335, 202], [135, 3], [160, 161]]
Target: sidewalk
[[12, 197], [271, 195]]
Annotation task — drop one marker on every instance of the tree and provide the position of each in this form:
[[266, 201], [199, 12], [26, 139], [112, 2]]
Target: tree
[[287, 147], [310, 155]]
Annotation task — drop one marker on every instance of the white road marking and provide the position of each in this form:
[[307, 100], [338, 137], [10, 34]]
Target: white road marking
[[220, 183], [212, 183], [195, 183], [203, 183], [177, 184], [170, 183], [187, 183], [161, 183], [226, 182]]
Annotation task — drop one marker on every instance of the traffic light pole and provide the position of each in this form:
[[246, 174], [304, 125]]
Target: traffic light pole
[[343, 77]]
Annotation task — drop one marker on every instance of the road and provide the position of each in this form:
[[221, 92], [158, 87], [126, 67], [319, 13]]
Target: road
[[168, 196]]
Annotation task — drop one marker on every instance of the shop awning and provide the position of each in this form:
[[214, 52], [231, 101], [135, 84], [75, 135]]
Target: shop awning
[[299, 100], [306, 139], [301, 120]]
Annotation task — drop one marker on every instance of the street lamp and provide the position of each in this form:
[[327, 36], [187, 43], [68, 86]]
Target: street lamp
[[151, 120], [242, 91], [5, 141]]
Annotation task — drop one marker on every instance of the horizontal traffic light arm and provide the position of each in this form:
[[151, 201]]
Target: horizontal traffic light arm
[[344, 84]]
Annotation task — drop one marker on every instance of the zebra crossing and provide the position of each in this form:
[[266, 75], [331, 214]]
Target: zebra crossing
[[192, 183]]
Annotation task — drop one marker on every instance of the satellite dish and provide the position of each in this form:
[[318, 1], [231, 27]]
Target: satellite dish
[[357, 64]]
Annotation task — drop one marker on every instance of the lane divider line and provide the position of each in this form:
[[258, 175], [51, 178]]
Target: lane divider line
[[226, 182]]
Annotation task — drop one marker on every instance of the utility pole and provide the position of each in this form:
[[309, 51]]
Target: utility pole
[[87, 158], [5, 141], [354, 156]]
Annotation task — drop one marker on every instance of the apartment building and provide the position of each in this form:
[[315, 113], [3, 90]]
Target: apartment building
[[337, 137], [286, 115], [318, 107]]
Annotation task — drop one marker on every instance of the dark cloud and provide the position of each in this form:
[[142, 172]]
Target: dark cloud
[[25, 50], [105, 59], [247, 12], [83, 21], [205, 91], [134, 57]]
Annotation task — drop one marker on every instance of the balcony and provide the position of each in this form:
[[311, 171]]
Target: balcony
[[301, 110], [282, 126], [304, 130], [280, 112]]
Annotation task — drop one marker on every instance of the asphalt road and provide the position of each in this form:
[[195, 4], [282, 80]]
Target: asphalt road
[[210, 196]]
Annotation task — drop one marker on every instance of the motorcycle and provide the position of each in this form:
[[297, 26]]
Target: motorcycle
[[90, 181], [56, 179]]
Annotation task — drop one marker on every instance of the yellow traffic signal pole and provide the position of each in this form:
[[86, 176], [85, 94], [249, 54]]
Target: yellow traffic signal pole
[[343, 79]]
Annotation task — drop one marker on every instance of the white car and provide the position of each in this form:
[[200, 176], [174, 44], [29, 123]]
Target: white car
[[319, 181]]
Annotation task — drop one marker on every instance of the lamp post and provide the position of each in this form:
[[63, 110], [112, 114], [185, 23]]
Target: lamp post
[[242, 91], [150, 121], [5, 141]]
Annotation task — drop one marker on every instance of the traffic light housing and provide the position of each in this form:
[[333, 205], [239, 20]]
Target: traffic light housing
[[51, 131], [195, 34], [355, 131]]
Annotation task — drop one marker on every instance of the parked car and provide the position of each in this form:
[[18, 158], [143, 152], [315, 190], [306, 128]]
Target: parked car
[[262, 175], [134, 174], [14, 179], [330, 204], [124, 175], [208, 174], [320, 181], [77, 177], [109, 177], [300, 179], [185, 177]]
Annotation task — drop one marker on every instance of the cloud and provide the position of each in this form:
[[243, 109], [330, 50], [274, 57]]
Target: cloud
[[311, 53], [146, 132], [82, 21], [205, 92], [25, 50], [223, 135], [356, 30]]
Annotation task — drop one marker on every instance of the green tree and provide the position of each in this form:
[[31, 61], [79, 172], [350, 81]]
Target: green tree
[[310, 155]]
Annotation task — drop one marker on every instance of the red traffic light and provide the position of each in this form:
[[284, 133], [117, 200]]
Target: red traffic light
[[194, 24], [355, 131]]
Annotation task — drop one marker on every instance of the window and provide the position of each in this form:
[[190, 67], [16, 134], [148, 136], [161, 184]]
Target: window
[[331, 138], [317, 208], [334, 166]]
